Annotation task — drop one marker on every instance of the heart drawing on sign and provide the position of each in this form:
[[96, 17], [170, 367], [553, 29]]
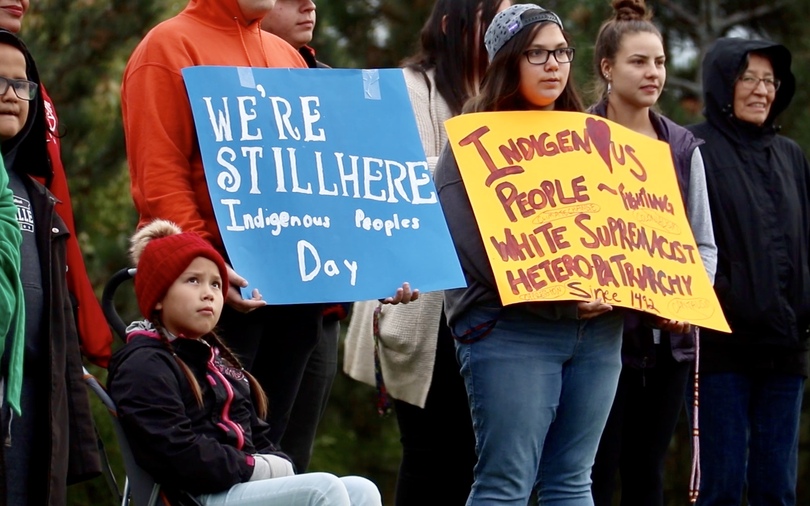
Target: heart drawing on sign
[[599, 133]]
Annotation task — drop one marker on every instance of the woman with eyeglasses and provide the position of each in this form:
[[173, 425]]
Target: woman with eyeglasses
[[630, 66], [539, 375], [415, 353], [752, 380]]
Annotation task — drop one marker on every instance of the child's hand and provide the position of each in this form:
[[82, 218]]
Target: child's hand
[[235, 299], [270, 466]]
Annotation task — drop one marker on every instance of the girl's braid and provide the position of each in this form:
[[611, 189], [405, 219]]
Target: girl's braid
[[195, 386], [257, 392]]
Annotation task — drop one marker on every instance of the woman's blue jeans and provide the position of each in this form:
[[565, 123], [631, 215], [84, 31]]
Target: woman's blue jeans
[[749, 438], [539, 392]]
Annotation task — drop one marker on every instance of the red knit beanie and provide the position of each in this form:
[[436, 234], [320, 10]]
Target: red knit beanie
[[161, 252]]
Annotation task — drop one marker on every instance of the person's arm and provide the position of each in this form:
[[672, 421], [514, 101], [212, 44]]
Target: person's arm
[[147, 393], [12, 298], [234, 297], [161, 144], [700, 221], [806, 207], [270, 462], [162, 153], [403, 295], [700, 217]]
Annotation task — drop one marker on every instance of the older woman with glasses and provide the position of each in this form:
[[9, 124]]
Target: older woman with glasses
[[752, 380]]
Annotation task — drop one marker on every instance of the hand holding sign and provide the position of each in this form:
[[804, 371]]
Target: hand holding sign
[[674, 326], [234, 298], [592, 309]]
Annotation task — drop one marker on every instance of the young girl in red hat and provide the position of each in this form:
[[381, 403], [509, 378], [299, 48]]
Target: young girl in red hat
[[193, 416]]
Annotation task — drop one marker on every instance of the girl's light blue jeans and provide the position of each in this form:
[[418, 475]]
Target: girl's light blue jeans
[[540, 392], [309, 489]]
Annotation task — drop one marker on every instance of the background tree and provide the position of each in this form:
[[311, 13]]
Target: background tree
[[82, 46]]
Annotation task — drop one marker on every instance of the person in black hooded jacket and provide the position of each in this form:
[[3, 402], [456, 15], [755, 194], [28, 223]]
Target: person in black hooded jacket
[[56, 418], [751, 380]]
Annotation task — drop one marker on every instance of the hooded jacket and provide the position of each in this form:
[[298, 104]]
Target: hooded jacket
[[165, 164], [69, 445], [192, 448], [759, 191]]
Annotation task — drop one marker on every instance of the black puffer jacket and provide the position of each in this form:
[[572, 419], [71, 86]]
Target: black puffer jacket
[[184, 446], [759, 192]]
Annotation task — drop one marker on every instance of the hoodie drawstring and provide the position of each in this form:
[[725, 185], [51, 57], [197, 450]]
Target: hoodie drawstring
[[244, 45], [242, 40]]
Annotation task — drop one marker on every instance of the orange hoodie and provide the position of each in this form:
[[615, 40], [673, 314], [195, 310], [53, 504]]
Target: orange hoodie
[[165, 165]]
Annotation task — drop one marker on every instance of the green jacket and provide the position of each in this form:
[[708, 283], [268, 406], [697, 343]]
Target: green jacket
[[12, 300]]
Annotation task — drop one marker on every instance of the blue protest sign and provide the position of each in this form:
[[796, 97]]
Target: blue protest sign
[[319, 182]]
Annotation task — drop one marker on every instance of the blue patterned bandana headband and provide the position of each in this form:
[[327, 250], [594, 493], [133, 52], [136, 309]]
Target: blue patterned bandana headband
[[507, 23]]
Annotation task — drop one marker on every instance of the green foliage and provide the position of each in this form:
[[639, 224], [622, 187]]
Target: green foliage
[[369, 33]]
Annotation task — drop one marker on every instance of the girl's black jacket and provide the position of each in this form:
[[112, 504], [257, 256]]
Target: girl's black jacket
[[182, 445]]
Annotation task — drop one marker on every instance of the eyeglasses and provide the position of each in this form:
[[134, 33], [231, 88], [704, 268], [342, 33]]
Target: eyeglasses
[[25, 90], [539, 56], [751, 82]]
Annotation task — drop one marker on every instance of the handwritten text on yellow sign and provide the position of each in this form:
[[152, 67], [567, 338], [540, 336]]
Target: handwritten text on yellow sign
[[574, 207]]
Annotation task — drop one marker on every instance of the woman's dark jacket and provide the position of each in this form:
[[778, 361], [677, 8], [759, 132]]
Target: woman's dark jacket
[[759, 191], [638, 347], [70, 446], [182, 445]]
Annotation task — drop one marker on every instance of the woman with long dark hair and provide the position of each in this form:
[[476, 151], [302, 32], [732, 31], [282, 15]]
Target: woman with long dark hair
[[415, 351], [537, 373]]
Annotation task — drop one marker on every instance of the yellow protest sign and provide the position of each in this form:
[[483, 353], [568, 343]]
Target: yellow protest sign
[[572, 206]]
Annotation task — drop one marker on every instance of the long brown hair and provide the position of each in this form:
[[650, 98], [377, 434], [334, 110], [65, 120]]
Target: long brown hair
[[501, 85], [629, 16], [452, 44], [258, 396]]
